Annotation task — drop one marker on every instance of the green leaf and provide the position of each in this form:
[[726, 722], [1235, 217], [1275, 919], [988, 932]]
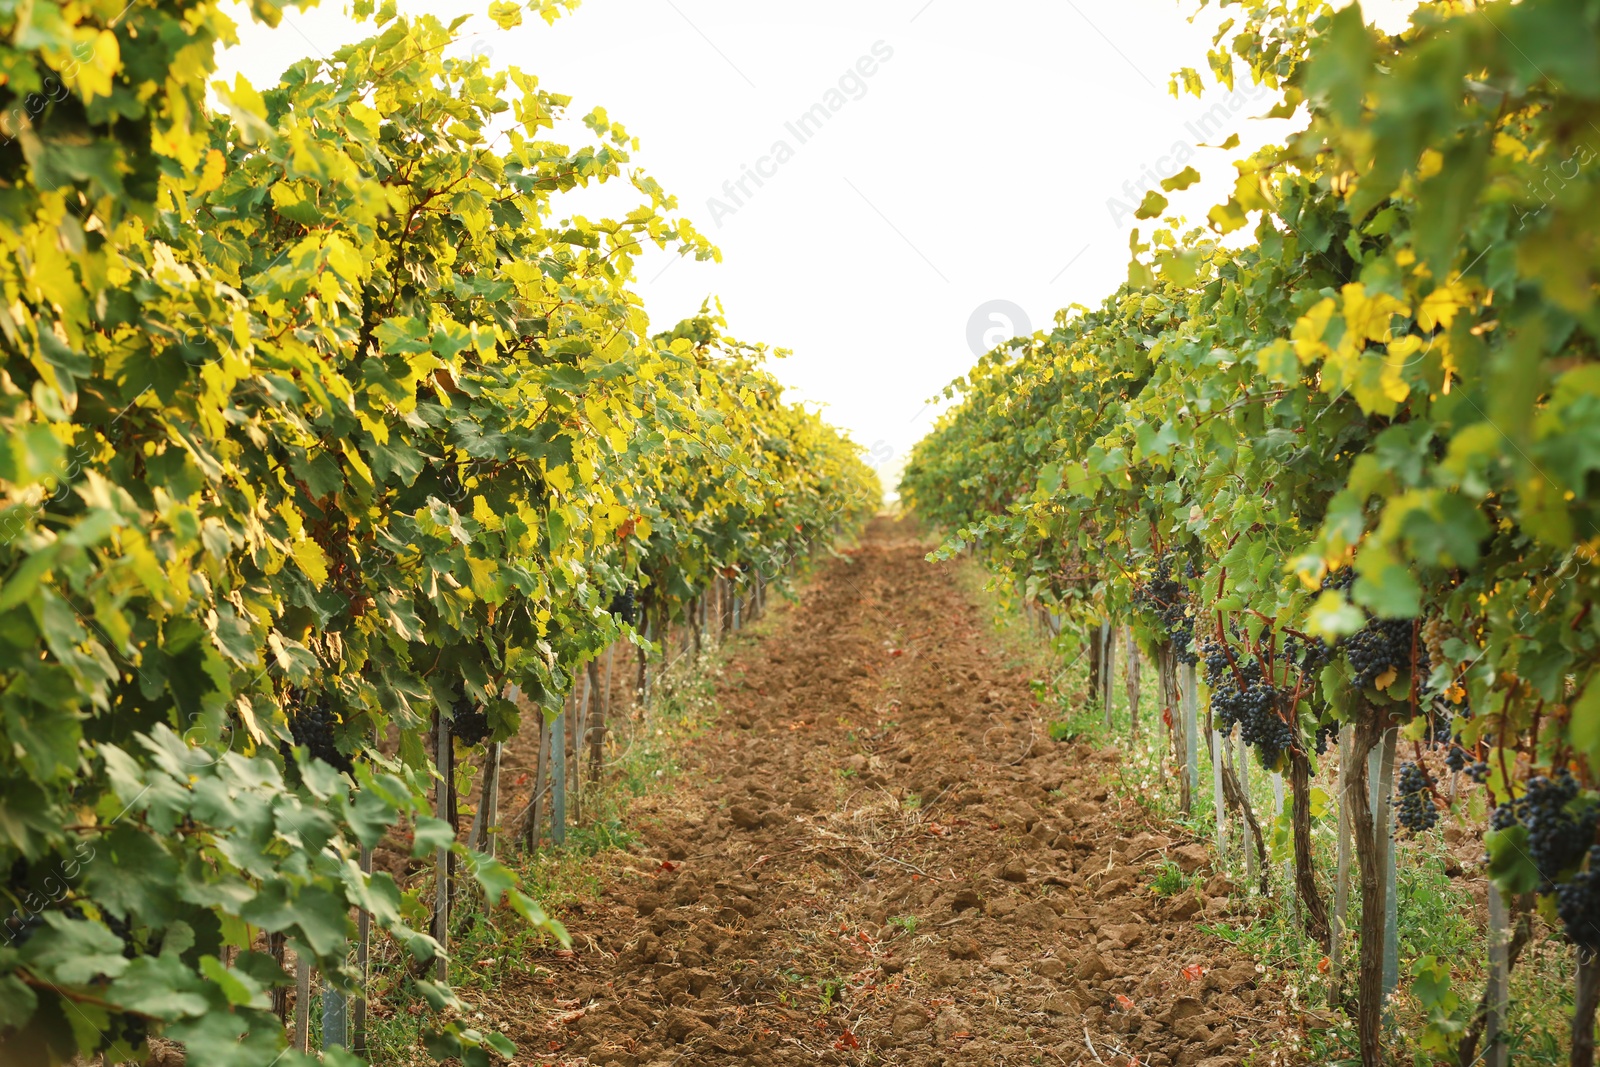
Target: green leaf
[[17, 1002], [74, 952], [1151, 206], [1584, 730], [239, 988], [431, 835], [1181, 180], [1510, 867], [493, 876], [160, 986], [1333, 617]]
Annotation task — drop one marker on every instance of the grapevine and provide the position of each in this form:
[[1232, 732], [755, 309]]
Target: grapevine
[[1313, 389]]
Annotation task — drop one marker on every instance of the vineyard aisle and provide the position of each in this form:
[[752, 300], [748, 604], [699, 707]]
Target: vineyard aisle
[[878, 856]]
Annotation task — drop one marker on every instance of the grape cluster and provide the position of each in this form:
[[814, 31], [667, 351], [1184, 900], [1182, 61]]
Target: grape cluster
[[1309, 656], [1417, 811], [1456, 758], [1327, 733], [469, 721], [1558, 838], [622, 607], [1381, 645], [1166, 598], [315, 726], [1436, 630], [1479, 772], [129, 1031], [1256, 705], [1441, 728], [1578, 904]]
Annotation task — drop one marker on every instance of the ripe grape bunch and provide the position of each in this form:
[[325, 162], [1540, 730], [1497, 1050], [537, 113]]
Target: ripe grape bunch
[[1327, 733], [1255, 706], [1168, 600], [469, 721], [1382, 645], [314, 725], [622, 607], [1578, 904], [1417, 811], [1558, 837]]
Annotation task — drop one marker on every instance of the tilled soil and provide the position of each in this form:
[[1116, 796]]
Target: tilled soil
[[878, 856]]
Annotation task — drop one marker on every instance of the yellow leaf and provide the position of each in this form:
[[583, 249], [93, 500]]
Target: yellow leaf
[[1507, 145], [93, 76], [345, 260], [1227, 217], [1367, 318], [211, 177], [484, 514], [1308, 331], [1439, 307], [312, 562], [505, 14]]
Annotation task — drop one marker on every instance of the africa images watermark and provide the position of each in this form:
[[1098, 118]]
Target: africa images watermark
[[852, 85], [53, 89], [1207, 124]]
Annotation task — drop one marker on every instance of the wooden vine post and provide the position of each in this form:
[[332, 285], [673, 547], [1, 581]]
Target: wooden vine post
[[1108, 666], [1372, 763], [1218, 746], [1243, 760], [302, 1003], [558, 775], [597, 721], [1341, 886], [1381, 774], [358, 1013], [1096, 642], [1132, 684], [444, 804], [486, 819], [335, 1017], [1497, 995], [276, 948], [1288, 863], [533, 818], [1191, 735], [576, 717], [1586, 999]]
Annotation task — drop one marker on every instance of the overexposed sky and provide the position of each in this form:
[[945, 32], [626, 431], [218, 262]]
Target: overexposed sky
[[981, 159]]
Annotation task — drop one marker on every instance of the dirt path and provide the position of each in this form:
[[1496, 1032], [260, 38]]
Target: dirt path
[[880, 857]]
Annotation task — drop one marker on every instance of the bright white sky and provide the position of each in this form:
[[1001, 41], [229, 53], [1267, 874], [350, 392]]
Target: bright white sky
[[975, 163]]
